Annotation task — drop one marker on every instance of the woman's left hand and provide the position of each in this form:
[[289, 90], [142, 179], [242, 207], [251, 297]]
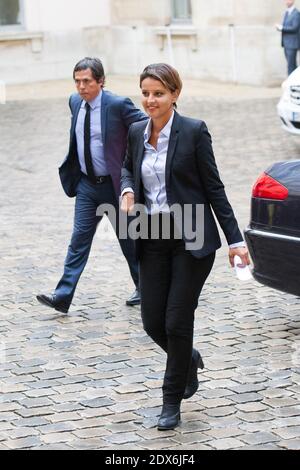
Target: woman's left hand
[[240, 251]]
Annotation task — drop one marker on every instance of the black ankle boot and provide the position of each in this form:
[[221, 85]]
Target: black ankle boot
[[170, 416], [193, 382]]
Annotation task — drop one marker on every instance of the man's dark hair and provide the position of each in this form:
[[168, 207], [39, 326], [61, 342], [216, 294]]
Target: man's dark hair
[[91, 63]]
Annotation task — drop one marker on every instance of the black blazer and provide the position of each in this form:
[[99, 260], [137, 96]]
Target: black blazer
[[192, 178]]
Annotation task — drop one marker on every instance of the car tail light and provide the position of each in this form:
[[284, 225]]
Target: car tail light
[[268, 188]]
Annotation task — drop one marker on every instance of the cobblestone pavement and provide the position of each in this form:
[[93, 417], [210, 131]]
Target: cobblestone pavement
[[91, 379]]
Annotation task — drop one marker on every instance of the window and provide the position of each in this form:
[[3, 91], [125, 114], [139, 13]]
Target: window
[[181, 11], [10, 13]]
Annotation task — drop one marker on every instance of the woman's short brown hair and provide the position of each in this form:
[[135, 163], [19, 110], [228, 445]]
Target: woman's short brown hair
[[164, 73]]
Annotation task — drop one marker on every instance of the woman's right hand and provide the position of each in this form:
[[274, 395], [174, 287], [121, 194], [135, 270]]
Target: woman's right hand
[[127, 202]]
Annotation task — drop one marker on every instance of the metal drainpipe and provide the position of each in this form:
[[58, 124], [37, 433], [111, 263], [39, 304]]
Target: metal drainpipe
[[136, 49], [233, 51], [170, 45]]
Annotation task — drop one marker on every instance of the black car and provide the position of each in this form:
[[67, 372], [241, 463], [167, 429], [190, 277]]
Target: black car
[[273, 236]]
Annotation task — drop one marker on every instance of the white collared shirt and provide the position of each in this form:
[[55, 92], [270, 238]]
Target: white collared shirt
[[153, 170], [290, 9], [96, 144]]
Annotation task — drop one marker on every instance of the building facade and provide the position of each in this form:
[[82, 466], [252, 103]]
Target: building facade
[[226, 40]]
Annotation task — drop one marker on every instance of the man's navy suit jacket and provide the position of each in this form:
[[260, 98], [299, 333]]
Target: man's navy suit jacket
[[291, 31], [117, 114]]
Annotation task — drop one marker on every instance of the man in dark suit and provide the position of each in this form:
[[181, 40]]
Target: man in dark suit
[[91, 173], [290, 34]]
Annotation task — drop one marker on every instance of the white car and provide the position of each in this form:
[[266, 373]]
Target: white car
[[289, 105]]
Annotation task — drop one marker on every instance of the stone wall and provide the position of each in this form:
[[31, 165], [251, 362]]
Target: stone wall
[[129, 34]]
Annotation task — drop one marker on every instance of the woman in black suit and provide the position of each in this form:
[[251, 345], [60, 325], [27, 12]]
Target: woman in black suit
[[170, 162]]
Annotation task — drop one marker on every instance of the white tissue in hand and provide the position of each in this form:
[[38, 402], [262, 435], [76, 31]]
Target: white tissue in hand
[[242, 271]]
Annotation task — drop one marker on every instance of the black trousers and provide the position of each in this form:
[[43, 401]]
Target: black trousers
[[171, 281], [88, 198], [291, 57]]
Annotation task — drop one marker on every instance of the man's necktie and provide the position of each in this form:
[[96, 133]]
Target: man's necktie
[[285, 18], [87, 144]]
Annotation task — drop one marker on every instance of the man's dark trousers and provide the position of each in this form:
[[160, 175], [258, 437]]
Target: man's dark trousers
[[291, 57], [89, 197]]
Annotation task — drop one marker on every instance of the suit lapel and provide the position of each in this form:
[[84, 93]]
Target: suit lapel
[[75, 111], [104, 103], [289, 17], [172, 146], [75, 115], [170, 153], [139, 159]]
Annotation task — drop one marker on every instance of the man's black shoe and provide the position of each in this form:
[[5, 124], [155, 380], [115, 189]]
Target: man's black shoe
[[193, 382], [50, 301], [135, 299], [169, 418]]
